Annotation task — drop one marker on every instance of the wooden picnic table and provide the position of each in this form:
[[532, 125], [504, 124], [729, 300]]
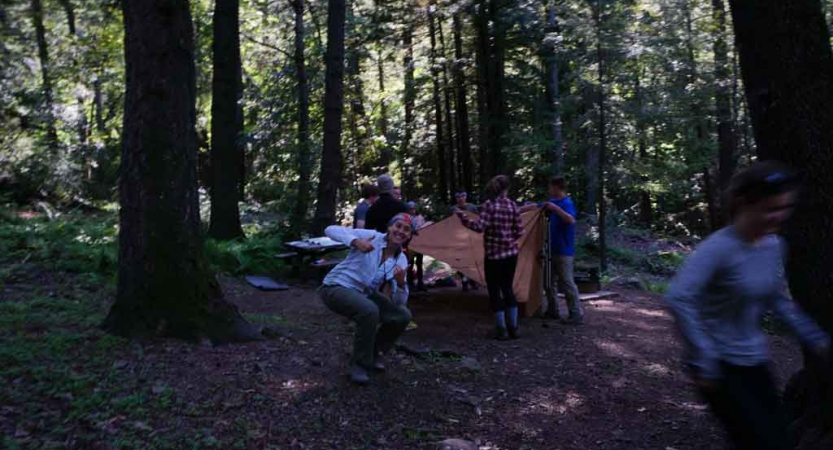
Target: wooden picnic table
[[313, 247]]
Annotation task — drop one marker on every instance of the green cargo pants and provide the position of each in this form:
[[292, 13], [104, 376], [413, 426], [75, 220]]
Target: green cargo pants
[[368, 312]]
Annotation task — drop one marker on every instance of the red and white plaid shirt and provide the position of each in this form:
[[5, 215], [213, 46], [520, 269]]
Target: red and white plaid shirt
[[500, 223]]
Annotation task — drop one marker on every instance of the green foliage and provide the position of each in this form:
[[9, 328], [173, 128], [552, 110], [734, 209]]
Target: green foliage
[[255, 255]]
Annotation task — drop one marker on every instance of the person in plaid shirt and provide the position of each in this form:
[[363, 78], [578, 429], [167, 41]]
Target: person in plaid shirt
[[500, 223]]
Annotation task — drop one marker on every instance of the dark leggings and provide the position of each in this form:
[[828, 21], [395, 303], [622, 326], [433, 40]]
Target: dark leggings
[[499, 276], [748, 405]]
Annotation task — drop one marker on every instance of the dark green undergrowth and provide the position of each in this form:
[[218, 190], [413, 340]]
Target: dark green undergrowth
[[64, 383], [88, 243]]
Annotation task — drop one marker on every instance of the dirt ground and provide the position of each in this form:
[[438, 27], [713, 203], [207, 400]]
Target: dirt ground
[[614, 383]]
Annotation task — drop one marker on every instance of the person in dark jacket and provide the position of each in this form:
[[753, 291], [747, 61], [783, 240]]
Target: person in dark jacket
[[384, 209]]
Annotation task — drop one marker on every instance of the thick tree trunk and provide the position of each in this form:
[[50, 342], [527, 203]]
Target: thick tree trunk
[[552, 91], [164, 284], [409, 100], [304, 150], [46, 79], [226, 123], [451, 160], [438, 110], [331, 161], [602, 139], [727, 153], [787, 68], [463, 134]]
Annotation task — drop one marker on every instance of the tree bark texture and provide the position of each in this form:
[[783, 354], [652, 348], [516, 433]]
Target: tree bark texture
[[304, 151], [552, 91], [438, 110], [787, 69], [727, 151], [463, 133], [409, 101], [227, 162], [331, 160], [385, 155], [602, 139], [451, 157], [69, 11], [496, 96], [481, 22], [46, 80], [164, 285]]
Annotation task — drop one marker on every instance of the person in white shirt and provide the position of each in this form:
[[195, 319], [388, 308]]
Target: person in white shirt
[[369, 288]]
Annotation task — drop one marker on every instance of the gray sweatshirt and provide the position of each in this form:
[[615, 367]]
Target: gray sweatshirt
[[720, 295]]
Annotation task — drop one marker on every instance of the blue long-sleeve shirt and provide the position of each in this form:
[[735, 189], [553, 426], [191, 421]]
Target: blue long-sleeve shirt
[[720, 295], [365, 272]]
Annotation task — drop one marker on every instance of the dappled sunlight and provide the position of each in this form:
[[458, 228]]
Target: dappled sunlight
[[652, 312], [614, 349], [542, 401], [639, 324], [657, 370]]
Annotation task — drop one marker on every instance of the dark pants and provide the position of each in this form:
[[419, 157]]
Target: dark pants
[[499, 276], [415, 261], [749, 406]]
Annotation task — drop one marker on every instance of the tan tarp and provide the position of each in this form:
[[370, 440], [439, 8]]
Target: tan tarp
[[449, 241]]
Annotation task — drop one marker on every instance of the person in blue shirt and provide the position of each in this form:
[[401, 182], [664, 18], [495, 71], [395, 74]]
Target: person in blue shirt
[[369, 288], [562, 215], [370, 193]]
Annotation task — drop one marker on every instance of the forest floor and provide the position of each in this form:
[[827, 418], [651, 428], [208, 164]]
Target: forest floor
[[614, 383]]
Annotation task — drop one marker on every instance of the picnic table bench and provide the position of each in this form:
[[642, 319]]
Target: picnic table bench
[[315, 248]]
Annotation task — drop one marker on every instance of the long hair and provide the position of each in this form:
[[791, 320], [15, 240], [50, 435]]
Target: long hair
[[497, 186]]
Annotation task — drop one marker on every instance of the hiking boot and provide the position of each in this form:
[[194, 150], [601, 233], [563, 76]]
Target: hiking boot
[[379, 365], [514, 332], [501, 334], [573, 320], [358, 375], [552, 316]]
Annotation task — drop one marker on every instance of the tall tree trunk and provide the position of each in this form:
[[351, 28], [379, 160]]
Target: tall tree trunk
[[646, 212], [409, 100], [602, 139], [331, 161], [46, 79], [385, 155], [304, 150], [98, 102], [438, 109], [727, 153], [451, 159], [226, 123], [496, 97], [592, 156], [482, 58], [711, 202], [69, 11], [463, 134], [789, 89], [160, 242], [552, 88]]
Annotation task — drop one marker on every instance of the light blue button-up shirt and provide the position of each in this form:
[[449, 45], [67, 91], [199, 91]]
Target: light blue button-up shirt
[[365, 272]]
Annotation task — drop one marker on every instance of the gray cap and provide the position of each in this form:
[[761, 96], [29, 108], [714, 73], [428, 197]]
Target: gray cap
[[385, 183]]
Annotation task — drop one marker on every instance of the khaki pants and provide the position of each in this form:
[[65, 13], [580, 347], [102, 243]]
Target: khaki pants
[[368, 312], [562, 277]]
